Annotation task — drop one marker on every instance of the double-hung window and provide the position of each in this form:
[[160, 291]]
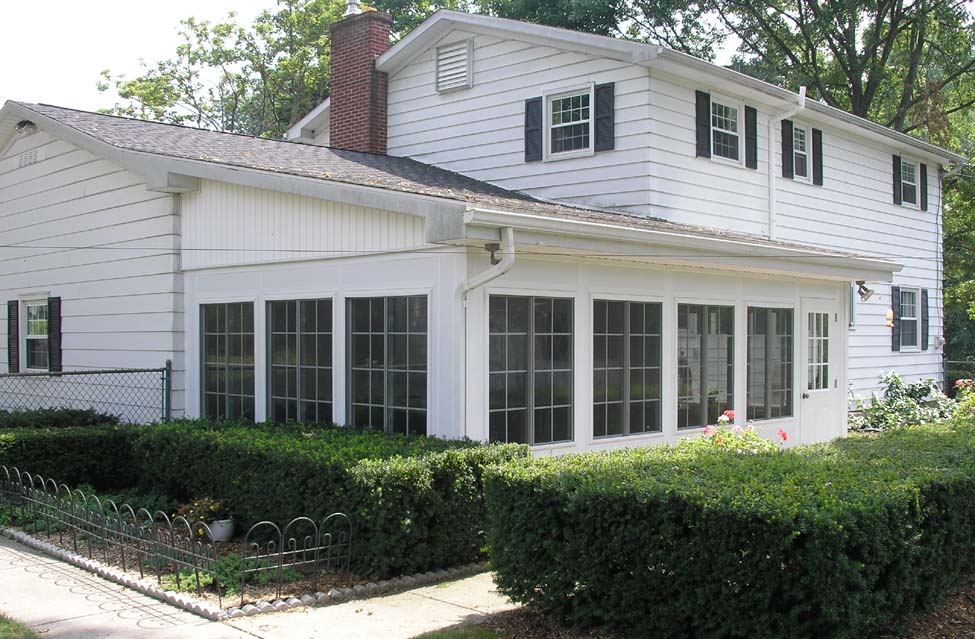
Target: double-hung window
[[725, 135], [626, 368], [299, 360], [705, 363], [36, 346], [228, 360], [800, 152], [910, 319], [530, 369], [909, 183], [770, 363], [570, 123], [388, 363]]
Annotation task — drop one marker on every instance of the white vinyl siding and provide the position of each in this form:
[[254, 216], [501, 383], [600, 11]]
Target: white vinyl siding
[[454, 68]]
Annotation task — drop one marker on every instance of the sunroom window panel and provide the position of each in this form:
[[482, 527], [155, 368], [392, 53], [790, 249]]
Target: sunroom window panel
[[530, 369], [705, 372], [770, 363], [228, 360], [300, 360]]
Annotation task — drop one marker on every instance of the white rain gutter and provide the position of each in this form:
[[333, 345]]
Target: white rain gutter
[[775, 123], [497, 270]]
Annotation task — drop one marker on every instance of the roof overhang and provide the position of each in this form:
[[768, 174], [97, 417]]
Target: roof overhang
[[654, 57], [308, 127], [544, 235]]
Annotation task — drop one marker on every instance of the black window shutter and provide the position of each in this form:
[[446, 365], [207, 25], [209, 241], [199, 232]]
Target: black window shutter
[[788, 159], [605, 123], [924, 187], [897, 179], [751, 137], [54, 334], [533, 130], [13, 337], [925, 320], [703, 111], [817, 150], [895, 306]]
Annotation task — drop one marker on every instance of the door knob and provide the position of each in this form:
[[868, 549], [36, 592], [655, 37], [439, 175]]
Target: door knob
[[805, 395]]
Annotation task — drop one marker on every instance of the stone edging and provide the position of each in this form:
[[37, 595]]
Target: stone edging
[[207, 611]]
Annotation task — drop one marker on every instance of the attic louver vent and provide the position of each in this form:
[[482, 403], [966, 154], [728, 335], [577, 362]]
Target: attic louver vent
[[27, 158], [454, 66]]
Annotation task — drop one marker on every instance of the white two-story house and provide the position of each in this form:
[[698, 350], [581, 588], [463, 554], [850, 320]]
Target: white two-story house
[[492, 229]]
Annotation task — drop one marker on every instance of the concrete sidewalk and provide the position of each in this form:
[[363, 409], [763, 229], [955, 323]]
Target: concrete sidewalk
[[60, 601]]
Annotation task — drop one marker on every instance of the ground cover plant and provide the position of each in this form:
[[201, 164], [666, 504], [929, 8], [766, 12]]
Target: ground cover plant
[[839, 540], [902, 405]]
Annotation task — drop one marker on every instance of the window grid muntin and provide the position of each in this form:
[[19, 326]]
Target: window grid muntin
[[372, 323], [817, 357], [527, 394], [908, 182], [36, 348], [643, 363], [769, 396], [227, 369], [800, 153], [909, 319], [300, 382], [712, 324], [725, 138], [570, 123]]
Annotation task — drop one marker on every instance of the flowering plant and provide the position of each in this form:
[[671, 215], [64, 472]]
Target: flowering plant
[[964, 386], [735, 438], [205, 509]]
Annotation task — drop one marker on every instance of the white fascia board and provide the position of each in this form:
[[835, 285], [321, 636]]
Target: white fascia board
[[606, 241], [307, 127], [434, 27], [732, 81], [174, 175]]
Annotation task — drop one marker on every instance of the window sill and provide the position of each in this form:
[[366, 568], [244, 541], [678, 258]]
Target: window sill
[[568, 155], [632, 437], [727, 161]]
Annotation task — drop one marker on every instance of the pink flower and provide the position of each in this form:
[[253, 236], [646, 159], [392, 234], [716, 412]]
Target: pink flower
[[710, 430], [750, 428], [730, 414], [959, 383], [737, 430], [784, 436], [723, 419]]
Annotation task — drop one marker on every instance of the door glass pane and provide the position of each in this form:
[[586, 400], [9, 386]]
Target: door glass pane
[[818, 351]]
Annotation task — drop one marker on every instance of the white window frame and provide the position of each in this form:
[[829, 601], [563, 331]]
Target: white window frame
[[740, 125], [916, 183], [916, 318], [549, 97], [796, 128], [27, 336], [470, 66]]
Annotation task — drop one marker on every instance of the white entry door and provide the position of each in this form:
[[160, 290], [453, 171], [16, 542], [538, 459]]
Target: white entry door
[[819, 374]]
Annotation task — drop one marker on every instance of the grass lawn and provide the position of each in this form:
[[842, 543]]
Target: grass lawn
[[10, 629]]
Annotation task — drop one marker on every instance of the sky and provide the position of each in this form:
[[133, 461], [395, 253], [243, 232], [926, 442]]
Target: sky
[[53, 51]]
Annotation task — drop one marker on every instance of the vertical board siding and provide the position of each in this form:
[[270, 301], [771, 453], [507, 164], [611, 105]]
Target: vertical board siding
[[78, 227], [226, 225]]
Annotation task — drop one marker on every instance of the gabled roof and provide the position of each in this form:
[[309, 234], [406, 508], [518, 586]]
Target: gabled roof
[[448, 200], [308, 127], [652, 56]]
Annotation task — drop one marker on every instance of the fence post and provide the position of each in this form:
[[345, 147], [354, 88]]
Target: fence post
[[167, 412]]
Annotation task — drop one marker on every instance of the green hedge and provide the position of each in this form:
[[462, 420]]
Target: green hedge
[[415, 503], [55, 418], [96, 455], [839, 540]]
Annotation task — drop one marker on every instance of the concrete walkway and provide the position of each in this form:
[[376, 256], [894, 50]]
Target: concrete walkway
[[60, 601]]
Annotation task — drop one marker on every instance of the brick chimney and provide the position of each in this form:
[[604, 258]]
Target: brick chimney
[[357, 115]]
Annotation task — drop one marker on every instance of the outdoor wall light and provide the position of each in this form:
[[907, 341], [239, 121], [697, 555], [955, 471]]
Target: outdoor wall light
[[864, 292], [492, 248]]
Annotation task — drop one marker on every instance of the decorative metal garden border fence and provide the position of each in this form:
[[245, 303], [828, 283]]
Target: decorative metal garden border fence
[[155, 543]]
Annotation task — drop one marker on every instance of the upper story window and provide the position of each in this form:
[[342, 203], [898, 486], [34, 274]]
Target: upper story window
[[800, 152], [36, 345], [725, 138], [909, 182], [570, 122], [455, 66], [910, 326]]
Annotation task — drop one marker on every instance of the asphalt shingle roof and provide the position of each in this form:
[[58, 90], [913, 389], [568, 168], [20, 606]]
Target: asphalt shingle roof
[[351, 167]]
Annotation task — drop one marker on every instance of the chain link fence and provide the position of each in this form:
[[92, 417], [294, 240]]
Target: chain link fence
[[134, 395]]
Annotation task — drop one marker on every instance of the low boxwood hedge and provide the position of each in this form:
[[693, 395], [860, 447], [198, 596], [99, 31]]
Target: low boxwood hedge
[[55, 418], [415, 502], [839, 540], [96, 455]]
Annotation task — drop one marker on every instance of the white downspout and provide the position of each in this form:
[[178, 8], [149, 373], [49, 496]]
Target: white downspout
[[496, 271], [774, 123]]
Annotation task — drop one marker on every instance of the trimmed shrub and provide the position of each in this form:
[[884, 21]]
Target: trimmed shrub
[[55, 418], [415, 503], [96, 455], [840, 540]]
